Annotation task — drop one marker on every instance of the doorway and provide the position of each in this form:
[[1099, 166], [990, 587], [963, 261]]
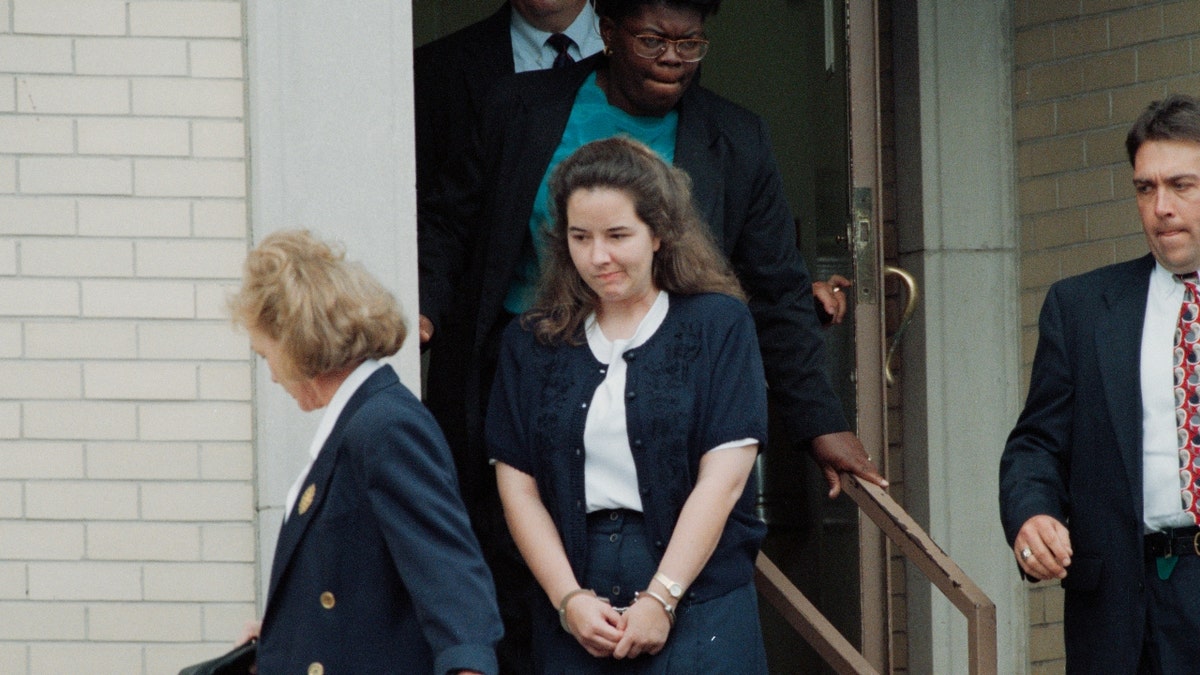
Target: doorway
[[786, 60], [797, 54]]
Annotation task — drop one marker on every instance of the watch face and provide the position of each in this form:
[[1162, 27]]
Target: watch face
[[675, 590]]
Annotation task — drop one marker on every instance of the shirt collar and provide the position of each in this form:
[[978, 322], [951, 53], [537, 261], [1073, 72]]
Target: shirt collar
[[584, 31], [338, 403], [602, 348]]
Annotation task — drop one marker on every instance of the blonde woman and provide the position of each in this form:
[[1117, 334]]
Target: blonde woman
[[376, 569]]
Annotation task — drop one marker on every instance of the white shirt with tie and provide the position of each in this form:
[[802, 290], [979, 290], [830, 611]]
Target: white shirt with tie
[[530, 51], [1162, 504]]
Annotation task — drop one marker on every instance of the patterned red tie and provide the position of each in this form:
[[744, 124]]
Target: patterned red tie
[[1187, 396]]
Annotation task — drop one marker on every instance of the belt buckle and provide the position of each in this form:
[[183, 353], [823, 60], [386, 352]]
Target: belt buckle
[[1196, 543]]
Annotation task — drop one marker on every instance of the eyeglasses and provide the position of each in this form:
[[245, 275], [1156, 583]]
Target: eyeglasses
[[650, 46]]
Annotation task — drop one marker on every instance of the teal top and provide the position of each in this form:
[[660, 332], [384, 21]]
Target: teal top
[[592, 119]]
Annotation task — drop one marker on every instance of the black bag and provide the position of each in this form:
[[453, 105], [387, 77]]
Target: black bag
[[236, 662]]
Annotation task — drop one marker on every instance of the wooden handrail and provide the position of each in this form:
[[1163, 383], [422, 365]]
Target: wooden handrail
[[916, 546], [808, 621], [938, 567]]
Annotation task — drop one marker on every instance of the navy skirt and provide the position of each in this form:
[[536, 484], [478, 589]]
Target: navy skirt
[[718, 635]]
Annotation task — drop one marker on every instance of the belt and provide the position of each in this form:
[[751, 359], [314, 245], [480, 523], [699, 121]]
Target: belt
[[1179, 541], [605, 515]]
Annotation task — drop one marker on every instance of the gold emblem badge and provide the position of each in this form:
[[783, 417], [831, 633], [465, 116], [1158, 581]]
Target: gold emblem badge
[[306, 499]]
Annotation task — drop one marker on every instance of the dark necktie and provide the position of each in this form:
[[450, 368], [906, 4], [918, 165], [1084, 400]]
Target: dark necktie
[[560, 43], [1187, 396]]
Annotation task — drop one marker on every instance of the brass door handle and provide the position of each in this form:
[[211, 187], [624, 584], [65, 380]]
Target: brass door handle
[[910, 308]]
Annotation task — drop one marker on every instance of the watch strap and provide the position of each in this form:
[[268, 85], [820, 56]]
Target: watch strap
[[674, 588]]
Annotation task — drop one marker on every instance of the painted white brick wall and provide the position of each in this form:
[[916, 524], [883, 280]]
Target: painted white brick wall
[[128, 534]]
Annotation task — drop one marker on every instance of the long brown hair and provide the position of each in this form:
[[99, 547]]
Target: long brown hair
[[687, 261]]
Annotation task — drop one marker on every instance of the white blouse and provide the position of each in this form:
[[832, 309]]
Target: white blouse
[[609, 473]]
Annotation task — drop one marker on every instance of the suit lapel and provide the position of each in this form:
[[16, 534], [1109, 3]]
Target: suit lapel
[[1119, 339], [694, 141], [313, 494], [548, 110], [543, 108], [490, 54]]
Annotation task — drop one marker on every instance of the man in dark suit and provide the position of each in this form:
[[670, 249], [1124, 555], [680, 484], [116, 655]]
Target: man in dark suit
[[1090, 479], [452, 74]]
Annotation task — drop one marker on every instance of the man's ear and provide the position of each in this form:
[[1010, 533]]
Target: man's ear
[[606, 30]]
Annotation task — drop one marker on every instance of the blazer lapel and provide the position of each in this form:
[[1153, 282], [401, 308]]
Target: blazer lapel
[[694, 142], [308, 504], [313, 494], [1119, 337], [544, 108], [548, 110], [489, 55]]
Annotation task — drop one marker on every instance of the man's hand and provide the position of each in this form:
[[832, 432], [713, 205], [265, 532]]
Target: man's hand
[[424, 329], [842, 452], [831, 294], [1049, 546]]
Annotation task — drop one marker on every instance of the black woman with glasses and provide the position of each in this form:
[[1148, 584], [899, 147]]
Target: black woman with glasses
[[480, 243]]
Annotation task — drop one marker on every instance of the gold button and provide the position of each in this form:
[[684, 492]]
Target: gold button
[[316, 669], [327, 601]]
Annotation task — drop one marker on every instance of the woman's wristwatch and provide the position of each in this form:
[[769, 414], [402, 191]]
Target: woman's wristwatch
[[672, 587]]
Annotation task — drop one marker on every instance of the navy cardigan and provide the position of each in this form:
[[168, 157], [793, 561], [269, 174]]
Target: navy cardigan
[[695, 384]]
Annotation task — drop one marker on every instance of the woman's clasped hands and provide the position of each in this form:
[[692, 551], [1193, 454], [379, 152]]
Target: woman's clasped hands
[[621, 633]]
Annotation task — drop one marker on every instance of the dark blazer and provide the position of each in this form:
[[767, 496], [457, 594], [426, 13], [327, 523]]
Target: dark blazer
[[451, 77], [378, 571], [1076, 454], [473, 227]]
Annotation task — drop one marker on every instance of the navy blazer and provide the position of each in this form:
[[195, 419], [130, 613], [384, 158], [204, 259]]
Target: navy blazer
[[376, 569], [1076, 454], [473, 227]]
